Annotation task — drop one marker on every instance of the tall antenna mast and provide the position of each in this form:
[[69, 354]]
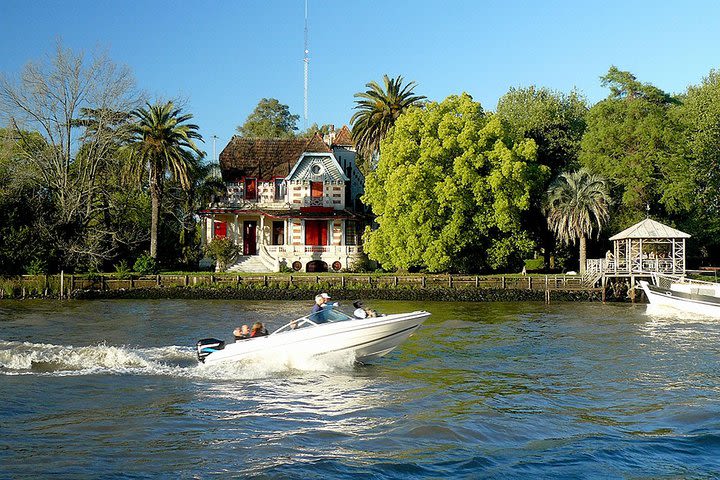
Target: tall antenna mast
[[306, 61]]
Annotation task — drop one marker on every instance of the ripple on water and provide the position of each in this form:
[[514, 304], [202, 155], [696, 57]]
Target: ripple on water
[[481, 391]]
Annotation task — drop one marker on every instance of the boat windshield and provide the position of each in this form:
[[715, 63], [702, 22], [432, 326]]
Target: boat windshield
[[327, 315]]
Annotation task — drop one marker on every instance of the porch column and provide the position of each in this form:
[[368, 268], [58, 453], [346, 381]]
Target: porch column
[[212, 227], [237, 230], [674, 258], [262, 230], [683, 258], [203, 231]]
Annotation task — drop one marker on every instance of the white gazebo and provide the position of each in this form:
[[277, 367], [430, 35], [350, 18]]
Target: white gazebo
[[644, 248]]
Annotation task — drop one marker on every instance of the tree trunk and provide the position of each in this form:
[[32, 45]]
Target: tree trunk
[[154, 220], [583, 255]]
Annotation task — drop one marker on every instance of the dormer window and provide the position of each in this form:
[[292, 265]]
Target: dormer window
[[316, 169]]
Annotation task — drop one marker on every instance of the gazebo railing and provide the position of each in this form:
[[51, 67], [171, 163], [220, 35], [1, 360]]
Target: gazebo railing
[[646, 265]]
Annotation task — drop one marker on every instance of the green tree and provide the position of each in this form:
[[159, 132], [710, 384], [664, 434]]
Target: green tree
[[378, 109], [323, 129], [577, 204], [699, 115], [556, 121], [449, 191], [65, 157], [270, 119], [163, 144], [633, 140]]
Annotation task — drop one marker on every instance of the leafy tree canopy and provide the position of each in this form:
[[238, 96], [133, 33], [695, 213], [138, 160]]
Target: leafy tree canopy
[[555, 121], [624, 85], [270, 119], [633, 140], [323, 129], [449, 190], [700, 117]]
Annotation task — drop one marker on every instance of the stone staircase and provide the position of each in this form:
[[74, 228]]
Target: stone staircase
[[249, 264]]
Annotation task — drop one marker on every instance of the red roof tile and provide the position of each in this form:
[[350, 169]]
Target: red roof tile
[[265, 158], [343, 137]]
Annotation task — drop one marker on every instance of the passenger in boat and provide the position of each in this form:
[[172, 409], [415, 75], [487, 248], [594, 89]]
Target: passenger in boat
[[258, 330], [362, 312], [318, 314], [241, 333]]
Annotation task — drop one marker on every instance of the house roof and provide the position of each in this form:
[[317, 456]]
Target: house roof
[[265, 158], [343, 137], [649, 228]]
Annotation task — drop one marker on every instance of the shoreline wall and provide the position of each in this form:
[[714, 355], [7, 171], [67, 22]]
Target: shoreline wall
[[300, 287]]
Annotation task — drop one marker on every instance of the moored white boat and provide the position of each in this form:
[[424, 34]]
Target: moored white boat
[[367, 338], [683, 294]]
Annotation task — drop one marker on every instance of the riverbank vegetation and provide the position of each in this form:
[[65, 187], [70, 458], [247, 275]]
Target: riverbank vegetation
[[94, 177]]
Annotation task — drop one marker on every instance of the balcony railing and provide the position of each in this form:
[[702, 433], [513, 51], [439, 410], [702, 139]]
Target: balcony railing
[[318, 202], [597, 265], [305, 249]]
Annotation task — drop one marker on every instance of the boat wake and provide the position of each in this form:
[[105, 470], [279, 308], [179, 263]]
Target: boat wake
[[26, 358]]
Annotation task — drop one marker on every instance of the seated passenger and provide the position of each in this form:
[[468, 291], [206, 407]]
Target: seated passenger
[[362, 312], [318, 314], [258, 330], [241, 333]]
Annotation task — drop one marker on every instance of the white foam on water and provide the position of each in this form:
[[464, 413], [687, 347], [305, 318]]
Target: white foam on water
[[273, 364], [26, 358]]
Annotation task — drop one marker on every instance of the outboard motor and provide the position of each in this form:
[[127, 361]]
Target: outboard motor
[[206, 346]]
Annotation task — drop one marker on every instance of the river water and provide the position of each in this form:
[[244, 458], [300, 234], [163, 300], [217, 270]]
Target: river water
[[111, 389]]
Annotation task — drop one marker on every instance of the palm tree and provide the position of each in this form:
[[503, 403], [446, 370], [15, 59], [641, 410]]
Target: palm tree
[[377, 111], [577, 203], [162, 144]]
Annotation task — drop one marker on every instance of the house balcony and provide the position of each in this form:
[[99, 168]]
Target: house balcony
[[302, 250], [318, 202]]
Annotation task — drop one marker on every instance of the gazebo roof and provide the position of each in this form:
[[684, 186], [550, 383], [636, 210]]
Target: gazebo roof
[[649, 229]]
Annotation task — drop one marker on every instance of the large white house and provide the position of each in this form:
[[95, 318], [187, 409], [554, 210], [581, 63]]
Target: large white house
[[289, 202]]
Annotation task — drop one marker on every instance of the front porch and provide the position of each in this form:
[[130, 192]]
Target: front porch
[[278, 242]]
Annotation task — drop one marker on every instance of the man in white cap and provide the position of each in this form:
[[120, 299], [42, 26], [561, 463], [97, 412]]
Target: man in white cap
[[318, 314]]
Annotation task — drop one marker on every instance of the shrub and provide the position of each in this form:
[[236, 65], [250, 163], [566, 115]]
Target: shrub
[[145, 265], [223, 251], [123, 270], [37, 267], [361, 264]]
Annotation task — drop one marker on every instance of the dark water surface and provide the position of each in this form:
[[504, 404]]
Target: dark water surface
[[111, 389]]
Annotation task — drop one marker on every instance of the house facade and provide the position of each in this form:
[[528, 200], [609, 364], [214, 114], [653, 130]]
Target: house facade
[[289, 202]]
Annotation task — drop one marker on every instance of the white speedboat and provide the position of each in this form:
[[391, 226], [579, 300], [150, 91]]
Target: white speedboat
[[684, 294], [330, 331]]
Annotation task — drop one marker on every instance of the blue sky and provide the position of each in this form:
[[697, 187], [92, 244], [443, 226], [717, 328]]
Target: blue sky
[[223, 56]]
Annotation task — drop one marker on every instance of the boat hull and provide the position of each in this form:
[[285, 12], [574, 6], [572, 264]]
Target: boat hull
[[682, 301], [367, 339]]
